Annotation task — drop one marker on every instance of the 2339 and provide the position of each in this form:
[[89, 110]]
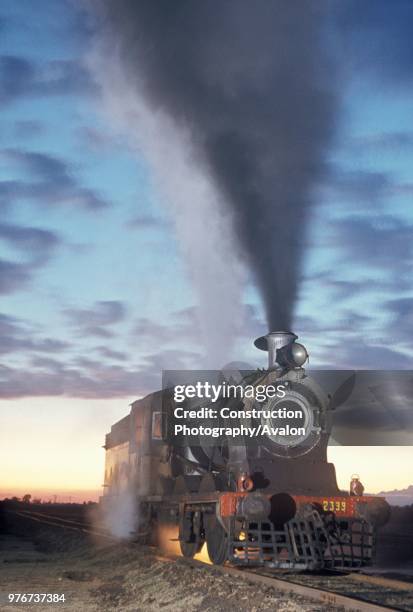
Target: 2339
[[334, 505]]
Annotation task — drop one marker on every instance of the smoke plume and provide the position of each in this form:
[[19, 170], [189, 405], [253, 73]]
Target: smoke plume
[[245, 88]]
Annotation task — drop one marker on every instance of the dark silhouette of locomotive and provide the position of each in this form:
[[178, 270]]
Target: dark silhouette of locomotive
[[271, 500]]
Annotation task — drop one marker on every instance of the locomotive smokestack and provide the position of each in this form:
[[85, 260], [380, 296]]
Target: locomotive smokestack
[[283, 350]]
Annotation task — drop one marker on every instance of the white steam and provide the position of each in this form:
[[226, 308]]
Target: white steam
[[203, 227], [119, 514]]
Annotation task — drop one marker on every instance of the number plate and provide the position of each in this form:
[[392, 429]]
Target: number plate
[[335, 505]]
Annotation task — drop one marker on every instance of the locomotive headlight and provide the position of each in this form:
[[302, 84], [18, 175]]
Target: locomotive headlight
[[245, 483], [292, 355]]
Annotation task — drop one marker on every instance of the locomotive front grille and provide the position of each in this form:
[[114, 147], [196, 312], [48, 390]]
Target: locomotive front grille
[[304, 543]]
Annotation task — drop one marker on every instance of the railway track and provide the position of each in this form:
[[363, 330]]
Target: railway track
[[58, 521], [354, 592], [321, 593]]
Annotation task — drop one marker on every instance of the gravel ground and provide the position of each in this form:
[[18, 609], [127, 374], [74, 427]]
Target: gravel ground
[[96, 576]]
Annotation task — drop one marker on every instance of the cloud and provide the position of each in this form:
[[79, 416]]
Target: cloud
[[105, 382], [358, 186], [364, 188], [52, 182], [53, 370], [51, 367], [182, 331], [40, 165], [330, 281], [157, 333], [85, 363], [348, 322], [402, 307], [358, 340], [13, 276], [48, 363], [355, 352], [8, 191], [102, 140], [95, 321], [401, 312], [384, 241], [88, 378], [375, 37], [378, 411], [16, 75], [392, 141], [111, 354], [28, 128], [36, 243], [18, 336], [50, 345], [22, 78], [170, 359], [356, 237], [146, 222]]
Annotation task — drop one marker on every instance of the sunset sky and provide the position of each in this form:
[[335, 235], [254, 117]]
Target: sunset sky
[[96, 294]]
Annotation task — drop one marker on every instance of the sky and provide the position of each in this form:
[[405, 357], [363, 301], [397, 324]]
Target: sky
[[96, 290]]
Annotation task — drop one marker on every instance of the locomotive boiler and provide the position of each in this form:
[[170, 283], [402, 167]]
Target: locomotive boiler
[[271, 499]]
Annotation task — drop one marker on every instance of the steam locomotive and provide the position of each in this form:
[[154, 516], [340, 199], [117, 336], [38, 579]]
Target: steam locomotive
[[271, 500]]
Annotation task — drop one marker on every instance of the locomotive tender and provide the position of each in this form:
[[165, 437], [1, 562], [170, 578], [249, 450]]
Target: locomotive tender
[[270, 501]]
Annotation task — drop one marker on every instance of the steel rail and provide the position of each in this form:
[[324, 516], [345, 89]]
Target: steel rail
[[62, 523]]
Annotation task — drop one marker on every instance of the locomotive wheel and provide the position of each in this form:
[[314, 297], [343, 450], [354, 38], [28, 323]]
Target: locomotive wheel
[[191, 533], [216, 539], [190, 549]]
